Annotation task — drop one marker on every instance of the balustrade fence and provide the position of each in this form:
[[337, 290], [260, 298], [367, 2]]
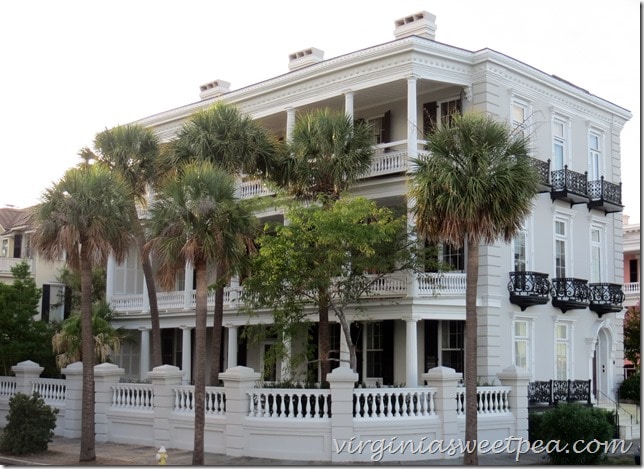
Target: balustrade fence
[[242, 418]]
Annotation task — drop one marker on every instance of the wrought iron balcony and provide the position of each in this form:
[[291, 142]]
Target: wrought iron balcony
[[569, 186], [553, 391], [528, 288], [569, 293], [605, 196], [605, 298], [543, 168]]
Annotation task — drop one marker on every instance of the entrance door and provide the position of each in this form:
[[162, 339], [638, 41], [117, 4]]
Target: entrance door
[[602, 367]]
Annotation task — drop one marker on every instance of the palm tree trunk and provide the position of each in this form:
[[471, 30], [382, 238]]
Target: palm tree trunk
[[201, 300], [217, 321], [88, 426], [148, 275], [324, 336], [471, 344]]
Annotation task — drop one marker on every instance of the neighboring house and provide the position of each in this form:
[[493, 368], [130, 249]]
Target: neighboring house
[[572, 241], [632, 266], [15, 231]]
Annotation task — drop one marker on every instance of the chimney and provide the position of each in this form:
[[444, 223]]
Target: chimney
[[305, 58], [421, 24], [213, 89]]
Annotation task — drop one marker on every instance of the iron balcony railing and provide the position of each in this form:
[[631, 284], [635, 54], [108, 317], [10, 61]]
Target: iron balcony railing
[[528, 288], [565, 180], [605, 298], [569, 293], [543, 169], [553, 391], [605, 191]]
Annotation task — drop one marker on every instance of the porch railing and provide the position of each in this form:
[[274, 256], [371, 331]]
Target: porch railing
[[441, 283], [377, 403], [490, 400], [290, 403]]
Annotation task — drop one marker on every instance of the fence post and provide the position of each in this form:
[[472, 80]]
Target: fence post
[[105, 375], [163, 379], [237, 381], [26, 372], [73, 399], [342, 382], [445, 380], [518, 379]]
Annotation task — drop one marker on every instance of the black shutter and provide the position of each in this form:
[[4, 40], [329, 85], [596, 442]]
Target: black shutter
[[386, 127], [388, 352], [242, 348], [17, 245], [67, 308], [46, 292]]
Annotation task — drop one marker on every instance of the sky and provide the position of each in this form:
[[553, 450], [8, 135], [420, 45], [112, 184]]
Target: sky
[[72, 68]]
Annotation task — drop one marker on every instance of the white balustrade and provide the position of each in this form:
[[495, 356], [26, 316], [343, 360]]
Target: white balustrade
[[388, 162], [290, 403], [491, 400], [632, 288], [184, 400], [441, 283], [7, 386], [378, 403], [133, 396], [51, 390]]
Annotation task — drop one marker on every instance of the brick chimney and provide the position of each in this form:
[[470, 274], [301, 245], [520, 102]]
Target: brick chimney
[[213, 89], [421, 24], [305, 58]]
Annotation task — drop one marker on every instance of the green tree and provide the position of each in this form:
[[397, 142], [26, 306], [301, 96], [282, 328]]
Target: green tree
[[225, 137], [133, 151], [85, 217], [21, 336], [476, 186], [107, 339], [71, 280], [327, 153], [632, 335], [335, 255], [195, 217]]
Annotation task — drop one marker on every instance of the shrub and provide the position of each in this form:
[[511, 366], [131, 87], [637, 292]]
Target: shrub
[[571, 423], [630, 388], [30, 425]]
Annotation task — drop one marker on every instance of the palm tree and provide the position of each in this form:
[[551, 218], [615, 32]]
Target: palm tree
[[328, 152], [238, 144], [85, 217], [107, 339], [476, 186], [195, 217], [133, 151]]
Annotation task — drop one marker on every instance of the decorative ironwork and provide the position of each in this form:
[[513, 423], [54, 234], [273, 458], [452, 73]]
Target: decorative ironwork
[[554, 391], [543, 169], [569, 185], [528, 288], [605, 298], [569, 293], [604, 194]]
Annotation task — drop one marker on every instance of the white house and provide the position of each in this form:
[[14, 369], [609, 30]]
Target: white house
[[550, 302]]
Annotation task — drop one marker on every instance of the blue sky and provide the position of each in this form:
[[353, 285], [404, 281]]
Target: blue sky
[[72, 68]]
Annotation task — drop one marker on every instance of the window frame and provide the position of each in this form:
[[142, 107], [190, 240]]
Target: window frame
[[563, 140], [567, 342]]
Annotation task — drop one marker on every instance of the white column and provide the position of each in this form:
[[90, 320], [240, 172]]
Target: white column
[[109, 278], [146, 298], [412, 118], [290, 123], [285, 365], [187, 288], [411, 355], [186, 354], [348, 103], [145, 353], [345, 354], [232, 346]]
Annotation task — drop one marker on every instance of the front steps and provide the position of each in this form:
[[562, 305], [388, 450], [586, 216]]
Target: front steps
[[629, 419]]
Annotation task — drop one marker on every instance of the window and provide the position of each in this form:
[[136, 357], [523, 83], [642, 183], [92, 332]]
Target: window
[[448, 109], [452, 344], [562, 351], [559, 135], [595, 255], [128, 276], [519, 117], [521, 340], [594, 156], [633, 270], [519, 252], [377, 124], [561, 242], [374, 349], [453, 256], [5, 248]]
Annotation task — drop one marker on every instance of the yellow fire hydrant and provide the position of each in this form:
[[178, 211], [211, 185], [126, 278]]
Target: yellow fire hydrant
[[162, 456]]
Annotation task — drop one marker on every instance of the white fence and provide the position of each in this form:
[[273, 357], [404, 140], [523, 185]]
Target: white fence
[[244, 419]]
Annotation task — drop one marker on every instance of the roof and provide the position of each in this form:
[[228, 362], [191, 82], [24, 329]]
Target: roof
[[12, 218]]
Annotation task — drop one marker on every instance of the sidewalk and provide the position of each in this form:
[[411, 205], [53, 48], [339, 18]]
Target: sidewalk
[[65, 451]]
